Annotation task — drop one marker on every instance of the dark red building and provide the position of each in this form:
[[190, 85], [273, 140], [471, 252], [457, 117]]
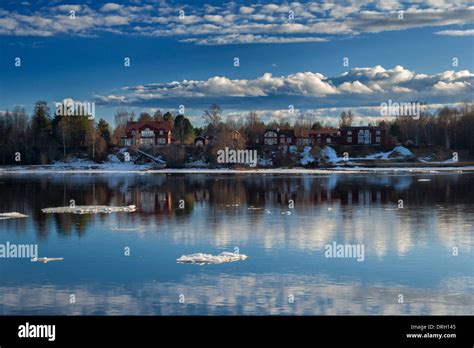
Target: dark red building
[[363, 135], [325, 136], [147, 133]]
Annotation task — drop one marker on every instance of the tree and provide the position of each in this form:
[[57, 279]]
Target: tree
[[183, 129], [104, 130], [41, 131], [252, 119], [144, 116], [213, 115], [316, 125], [168, 116], [122, 116], [346, 119], [157, 116], [64, 130]]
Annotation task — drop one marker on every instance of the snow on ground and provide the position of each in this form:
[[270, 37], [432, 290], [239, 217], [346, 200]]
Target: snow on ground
[[198, 163], [13, 215], [202, 259], [293, 149], [331, 155], [307, 158], [90, 209], [397, 152], [264, 162]]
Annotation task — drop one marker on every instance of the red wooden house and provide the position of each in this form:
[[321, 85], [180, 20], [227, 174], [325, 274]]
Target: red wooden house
[[363, 135], [147, 133], [325, 136]]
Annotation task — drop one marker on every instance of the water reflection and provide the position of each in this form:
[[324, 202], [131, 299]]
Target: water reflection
[[262, 295], [408, 250]]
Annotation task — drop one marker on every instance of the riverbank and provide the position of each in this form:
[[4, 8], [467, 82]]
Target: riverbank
[[145, 169]]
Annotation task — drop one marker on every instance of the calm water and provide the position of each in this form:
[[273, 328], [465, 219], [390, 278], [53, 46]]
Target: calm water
[[408, 251]]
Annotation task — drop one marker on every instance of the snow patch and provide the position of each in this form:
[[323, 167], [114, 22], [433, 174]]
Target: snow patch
[[331, 155], [307, 158]]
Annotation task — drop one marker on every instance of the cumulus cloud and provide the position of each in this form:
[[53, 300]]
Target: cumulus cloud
[[451, 87], [356, 87], [228, 23]]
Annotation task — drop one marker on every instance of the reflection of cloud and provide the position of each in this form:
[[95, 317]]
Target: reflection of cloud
[[246, 294], [311, 227]]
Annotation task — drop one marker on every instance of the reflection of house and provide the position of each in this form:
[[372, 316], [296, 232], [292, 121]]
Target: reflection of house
[[147, 133], [363, 135]]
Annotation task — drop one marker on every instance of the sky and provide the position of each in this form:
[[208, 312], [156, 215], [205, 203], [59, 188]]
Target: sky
[[284, 60]]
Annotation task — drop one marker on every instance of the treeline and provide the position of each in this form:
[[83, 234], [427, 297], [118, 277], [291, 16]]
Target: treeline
[[45, 137], [451, 128]]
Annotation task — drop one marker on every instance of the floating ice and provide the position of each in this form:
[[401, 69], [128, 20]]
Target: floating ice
[[13, 215], [202, 259], [46, 259], [90, 209]]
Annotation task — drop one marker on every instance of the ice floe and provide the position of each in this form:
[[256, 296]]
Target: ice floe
[[202, 259], [46, 259], [13, 215], [90, 209]]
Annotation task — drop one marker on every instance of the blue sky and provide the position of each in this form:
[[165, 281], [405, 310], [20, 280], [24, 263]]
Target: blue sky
[[283, 60]]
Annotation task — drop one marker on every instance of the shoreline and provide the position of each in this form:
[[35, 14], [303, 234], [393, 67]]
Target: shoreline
[[42, 169]]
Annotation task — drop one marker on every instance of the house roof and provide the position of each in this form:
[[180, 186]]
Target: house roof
[[324, 131], [270, 130], [155, 125], [287, 132], [362, 127]]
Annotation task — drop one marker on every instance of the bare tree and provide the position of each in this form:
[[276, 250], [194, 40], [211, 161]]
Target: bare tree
[[346, 119], [213, 115]]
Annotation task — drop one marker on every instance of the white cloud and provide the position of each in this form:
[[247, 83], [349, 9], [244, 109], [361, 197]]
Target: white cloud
[[398, 89], [111, 7], [251, 39], [451, 87], [258, 23], [246, 10], [356, 86], [469, 32], [115, 20]]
